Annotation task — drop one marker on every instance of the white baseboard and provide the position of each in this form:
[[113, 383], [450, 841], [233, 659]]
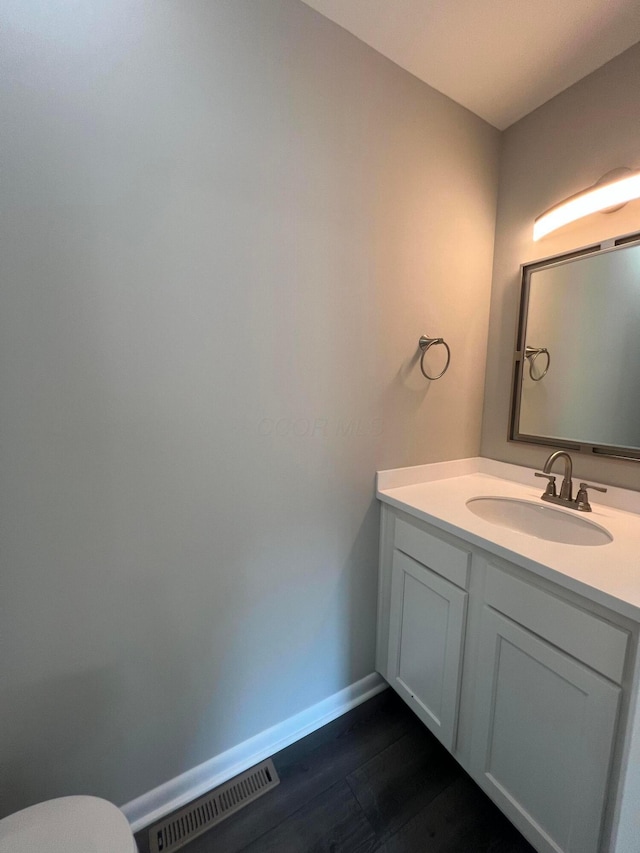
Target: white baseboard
[[171, 795]]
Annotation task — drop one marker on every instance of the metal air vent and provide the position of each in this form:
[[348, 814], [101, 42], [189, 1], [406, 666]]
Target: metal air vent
[[183, 826]]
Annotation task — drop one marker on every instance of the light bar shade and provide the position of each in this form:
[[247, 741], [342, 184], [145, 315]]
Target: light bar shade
[[599, 197]]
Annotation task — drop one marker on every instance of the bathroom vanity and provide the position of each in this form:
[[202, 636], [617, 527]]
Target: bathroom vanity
[[519, 652]]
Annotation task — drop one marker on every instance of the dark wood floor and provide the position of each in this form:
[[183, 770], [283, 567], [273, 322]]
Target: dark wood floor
[[372, 781]]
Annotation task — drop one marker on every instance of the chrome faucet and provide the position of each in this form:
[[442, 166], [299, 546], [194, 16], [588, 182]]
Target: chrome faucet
[[565, 498], [566, 489]]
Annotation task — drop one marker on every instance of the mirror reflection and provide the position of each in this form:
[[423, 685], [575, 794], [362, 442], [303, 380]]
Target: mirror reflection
[[578, 352]]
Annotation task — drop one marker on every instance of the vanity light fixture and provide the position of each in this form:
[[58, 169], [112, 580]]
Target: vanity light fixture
[[610, 193]]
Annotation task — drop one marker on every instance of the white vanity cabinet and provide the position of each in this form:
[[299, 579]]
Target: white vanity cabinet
[[427, 619], [517, 677], [544, 717]]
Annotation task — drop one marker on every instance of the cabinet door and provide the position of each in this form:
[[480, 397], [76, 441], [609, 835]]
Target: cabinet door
[[426, 633], [543, 736]]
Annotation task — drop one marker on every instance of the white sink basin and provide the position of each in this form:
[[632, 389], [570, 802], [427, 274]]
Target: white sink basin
[[540, 520]]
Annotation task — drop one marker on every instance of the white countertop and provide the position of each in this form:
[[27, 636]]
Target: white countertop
[[608, 574]]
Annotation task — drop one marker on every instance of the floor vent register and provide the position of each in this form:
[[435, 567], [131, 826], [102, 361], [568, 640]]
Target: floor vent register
[[183, 826]]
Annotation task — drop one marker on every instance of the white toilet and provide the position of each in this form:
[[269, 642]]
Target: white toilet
[[67, 825]]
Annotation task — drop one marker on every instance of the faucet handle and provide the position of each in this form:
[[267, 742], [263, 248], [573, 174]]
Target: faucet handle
[[551, 485], [589, 486], [582, 498]]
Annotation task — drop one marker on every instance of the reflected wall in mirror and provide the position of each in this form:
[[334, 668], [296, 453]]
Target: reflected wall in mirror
[[577, 361]]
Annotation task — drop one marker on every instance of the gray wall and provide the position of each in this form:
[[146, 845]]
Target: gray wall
[[224, 226], [559, 149]]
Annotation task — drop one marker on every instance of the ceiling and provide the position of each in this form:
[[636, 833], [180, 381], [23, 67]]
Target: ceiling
[[499, 58]]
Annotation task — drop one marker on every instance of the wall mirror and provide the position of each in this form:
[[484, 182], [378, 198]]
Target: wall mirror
[[576, 380]]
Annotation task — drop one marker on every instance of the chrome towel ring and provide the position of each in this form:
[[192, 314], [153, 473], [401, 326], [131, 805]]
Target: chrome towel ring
[[425, 343], [531, 353]]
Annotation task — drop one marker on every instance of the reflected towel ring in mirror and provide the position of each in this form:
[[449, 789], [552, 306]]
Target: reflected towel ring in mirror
[[425, 343], [532, 353]]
